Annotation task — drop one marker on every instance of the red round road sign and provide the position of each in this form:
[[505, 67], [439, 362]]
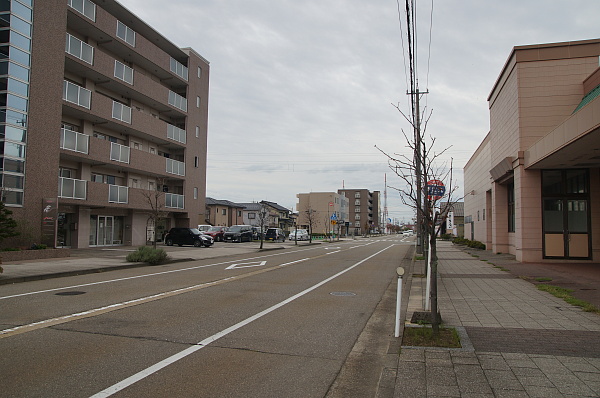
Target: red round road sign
[[435, 189]]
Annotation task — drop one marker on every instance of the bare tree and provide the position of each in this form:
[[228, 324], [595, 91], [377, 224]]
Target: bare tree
[[263, 221], [311, 218], [431, 167], [156, 201]]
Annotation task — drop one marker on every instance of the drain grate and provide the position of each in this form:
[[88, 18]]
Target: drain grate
[[70, 293], [346, 294]]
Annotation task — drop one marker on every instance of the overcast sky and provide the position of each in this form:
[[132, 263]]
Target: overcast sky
[[302, 91]]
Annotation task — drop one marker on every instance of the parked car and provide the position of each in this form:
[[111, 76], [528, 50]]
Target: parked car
[[217, 233], [275, 234], [187, 236], [204, 227], [299, 234], [408, 233], [256, 233], [238, 233]]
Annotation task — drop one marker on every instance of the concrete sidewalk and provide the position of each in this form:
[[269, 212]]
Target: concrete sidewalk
[[517, 340]]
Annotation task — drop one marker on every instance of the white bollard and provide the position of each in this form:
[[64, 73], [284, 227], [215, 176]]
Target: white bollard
[[400, 272]]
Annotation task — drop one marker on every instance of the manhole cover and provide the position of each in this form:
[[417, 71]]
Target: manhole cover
[[70, 293], [342, 294]]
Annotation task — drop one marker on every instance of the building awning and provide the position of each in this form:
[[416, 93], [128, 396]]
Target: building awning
[[588, 98]]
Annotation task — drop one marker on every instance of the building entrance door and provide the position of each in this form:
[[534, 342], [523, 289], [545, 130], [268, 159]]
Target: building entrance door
[[101, 230], [566, 216]]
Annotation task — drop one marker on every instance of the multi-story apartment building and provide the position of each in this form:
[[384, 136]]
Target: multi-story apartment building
[[532, 188], [324, 208], [101, 115], [364, 210]]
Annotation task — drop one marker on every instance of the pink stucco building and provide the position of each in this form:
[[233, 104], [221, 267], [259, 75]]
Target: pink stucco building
[[532, 187]]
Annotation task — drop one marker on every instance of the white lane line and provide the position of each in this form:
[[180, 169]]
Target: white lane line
[[201, 344], [147, 275]]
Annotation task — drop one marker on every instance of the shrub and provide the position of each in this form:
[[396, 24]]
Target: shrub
[[470, 243], [41, 246], [147, 254], [445, 236]]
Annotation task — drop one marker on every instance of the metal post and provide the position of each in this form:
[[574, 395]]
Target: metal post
[[400, 272]]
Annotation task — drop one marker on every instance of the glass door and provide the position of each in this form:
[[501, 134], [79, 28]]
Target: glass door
[[101, 230], [566, 217]]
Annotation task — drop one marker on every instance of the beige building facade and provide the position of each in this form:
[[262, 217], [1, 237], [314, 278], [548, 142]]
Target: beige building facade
[[532, 188], [323, 207], [101, 114]]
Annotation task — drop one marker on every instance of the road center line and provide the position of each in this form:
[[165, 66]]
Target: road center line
[[201, 344]]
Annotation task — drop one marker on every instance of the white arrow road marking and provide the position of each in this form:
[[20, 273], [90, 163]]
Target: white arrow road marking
[[247, 265]]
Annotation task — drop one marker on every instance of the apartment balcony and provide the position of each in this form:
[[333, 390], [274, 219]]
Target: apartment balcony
[[71, 188], [102, 109], [96, 152], [105, 72], [152, 53]]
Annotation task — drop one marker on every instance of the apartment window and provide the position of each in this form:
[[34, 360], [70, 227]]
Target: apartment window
[[511, 208], [357, 224], [224, 212], [177, 101], [251, 216], [357, 195], [85, 7], [123, 72], [195, 193], [196, 161], [199, 72], [357, 216], [357, 209], [125, 33], [197, 131], [197, 102], [176, 134], [77, 94], [110, 179], [179, 69], [97, 178], [79, 49], [357, 202], [151, 186], [121, 112], [239, 213]]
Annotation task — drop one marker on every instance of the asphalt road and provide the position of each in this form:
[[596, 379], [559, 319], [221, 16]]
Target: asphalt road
[[271, 324]]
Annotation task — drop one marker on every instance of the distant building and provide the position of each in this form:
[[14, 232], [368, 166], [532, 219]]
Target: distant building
[[532, 188], [364, 210], [329, 212], [455, 222], [276, 216], [223, 212]]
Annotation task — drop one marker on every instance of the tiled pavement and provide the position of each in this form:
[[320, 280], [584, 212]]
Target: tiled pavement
[[520, 342]]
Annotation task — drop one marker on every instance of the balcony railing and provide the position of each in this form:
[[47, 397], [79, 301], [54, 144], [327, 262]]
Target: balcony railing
[[175, 167], [177, 101], [121, 112], [118, 194], [79, 49], [74, 141], [119, 153], [72, 188], [77, 94], [176, 134], [85, 7], [174, 201]]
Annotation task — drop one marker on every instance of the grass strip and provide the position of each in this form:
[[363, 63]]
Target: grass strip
[[566, 295]]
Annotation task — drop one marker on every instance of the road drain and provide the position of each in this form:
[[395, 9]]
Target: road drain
[[70, 293], [342, 294]]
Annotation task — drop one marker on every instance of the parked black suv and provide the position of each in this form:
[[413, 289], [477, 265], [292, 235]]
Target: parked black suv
[[239, 233], [187, 236], [275, 234]]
